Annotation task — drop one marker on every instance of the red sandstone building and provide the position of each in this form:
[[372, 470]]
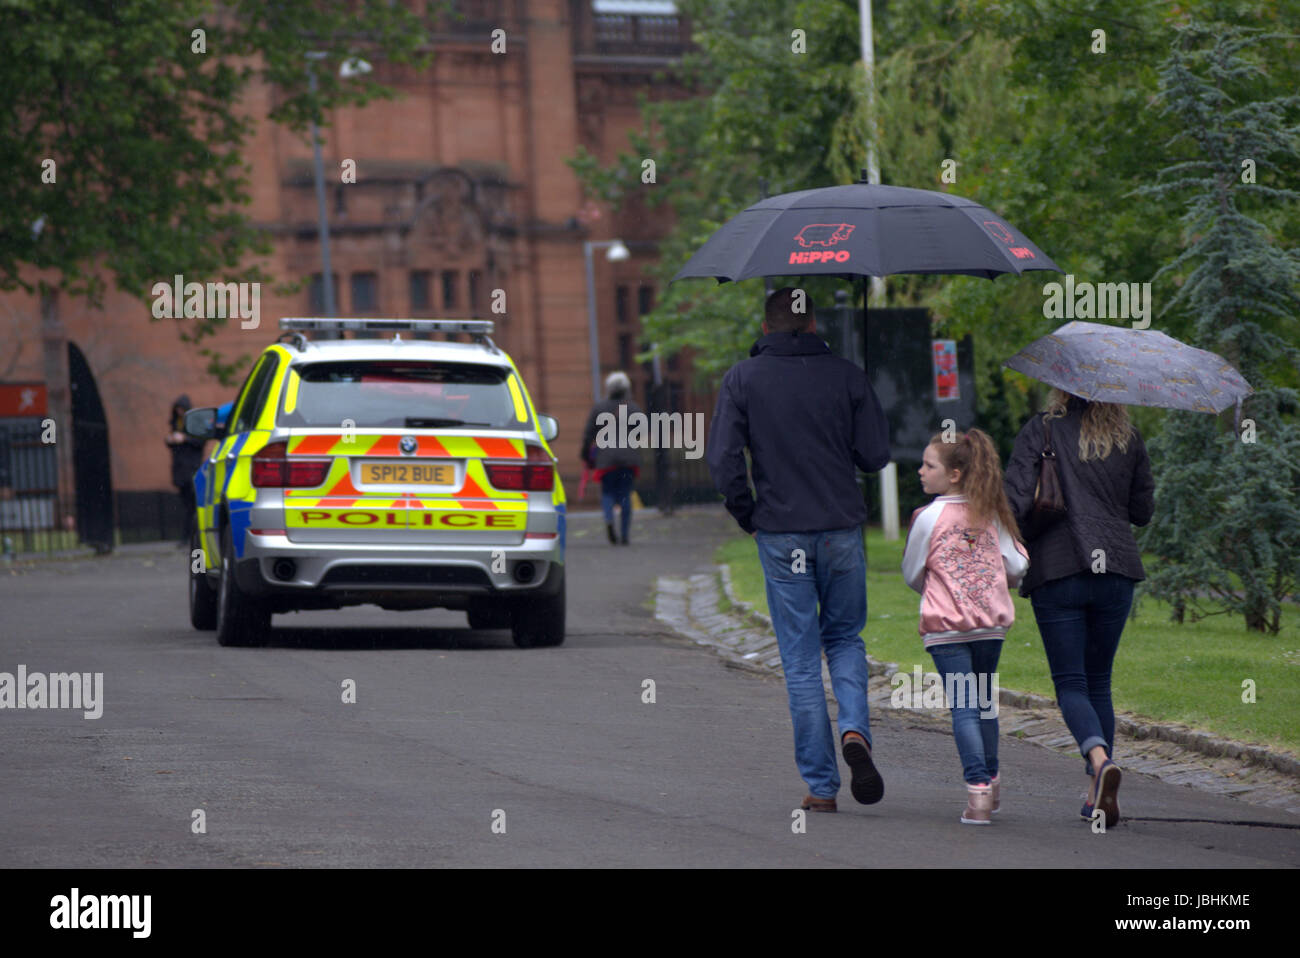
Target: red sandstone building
[[462, 188]]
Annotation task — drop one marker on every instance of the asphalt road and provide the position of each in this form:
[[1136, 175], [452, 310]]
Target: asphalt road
[[461, 750]]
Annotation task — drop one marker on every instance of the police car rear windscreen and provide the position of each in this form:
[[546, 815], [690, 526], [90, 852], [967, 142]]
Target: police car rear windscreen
[[398, 395]]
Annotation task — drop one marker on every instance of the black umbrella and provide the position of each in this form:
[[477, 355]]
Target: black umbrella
[[865, 230]]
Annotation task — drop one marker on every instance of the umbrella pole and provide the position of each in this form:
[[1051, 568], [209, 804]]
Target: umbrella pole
[[866, 502], [863, 285], [889, 518]]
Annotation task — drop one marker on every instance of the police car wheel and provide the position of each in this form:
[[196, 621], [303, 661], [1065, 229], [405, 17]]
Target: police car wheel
[[241, 620], [539, 623], [203, 598]]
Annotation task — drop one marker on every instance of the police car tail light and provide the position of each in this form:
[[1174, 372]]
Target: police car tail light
[[536, 474], [271, 467]]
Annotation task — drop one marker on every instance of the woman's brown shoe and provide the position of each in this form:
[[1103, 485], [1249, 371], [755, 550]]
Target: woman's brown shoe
[[814, 804]]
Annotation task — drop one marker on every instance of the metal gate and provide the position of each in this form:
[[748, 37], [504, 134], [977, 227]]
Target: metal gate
[[90, 462]]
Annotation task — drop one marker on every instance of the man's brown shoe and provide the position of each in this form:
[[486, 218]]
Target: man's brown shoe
[[814, 804], [867, 785]]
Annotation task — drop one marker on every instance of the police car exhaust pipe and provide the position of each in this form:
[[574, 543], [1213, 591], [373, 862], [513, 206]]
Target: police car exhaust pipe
[[284, 569], [524, 572]]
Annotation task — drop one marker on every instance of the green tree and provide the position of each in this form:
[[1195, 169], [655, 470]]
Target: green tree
[[1227, 526], [761, 110], [1042, 130], [125, 146]]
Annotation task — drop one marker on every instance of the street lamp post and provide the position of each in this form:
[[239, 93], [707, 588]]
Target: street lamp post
[[322, 220], [350, 68], [616, 252]]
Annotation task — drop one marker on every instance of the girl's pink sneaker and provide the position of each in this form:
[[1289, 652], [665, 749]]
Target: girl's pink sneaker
[[979, 805]]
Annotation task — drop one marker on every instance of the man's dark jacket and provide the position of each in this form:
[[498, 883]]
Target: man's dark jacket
[[808, 418], [1102, 498], [612, 456]]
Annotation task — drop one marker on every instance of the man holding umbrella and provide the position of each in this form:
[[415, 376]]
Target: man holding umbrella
[[807, 418]]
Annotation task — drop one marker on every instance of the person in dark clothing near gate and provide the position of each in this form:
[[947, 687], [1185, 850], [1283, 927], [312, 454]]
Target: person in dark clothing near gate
[[1082, 568], [187, 456], [614, 464], [807, 418]]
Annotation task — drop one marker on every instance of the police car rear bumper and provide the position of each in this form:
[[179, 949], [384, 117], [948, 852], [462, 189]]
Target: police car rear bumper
[[273, 565]]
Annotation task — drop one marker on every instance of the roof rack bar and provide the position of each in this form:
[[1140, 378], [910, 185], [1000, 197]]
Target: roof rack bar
[[295, 339]]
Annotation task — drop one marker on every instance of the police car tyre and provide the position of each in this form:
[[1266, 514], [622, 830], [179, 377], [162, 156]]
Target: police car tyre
[[539, 623], [484, 616], [241, 619], [203, 598]]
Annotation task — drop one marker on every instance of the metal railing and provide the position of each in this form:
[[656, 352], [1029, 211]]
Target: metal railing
[[628, 34]]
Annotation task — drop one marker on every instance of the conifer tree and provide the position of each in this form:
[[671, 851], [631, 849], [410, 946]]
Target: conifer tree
[[1227, 524]]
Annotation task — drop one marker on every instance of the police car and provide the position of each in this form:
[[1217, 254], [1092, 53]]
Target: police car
[[406, 473]]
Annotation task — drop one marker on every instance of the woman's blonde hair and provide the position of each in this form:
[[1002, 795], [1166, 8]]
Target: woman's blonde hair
[[1105, 425]]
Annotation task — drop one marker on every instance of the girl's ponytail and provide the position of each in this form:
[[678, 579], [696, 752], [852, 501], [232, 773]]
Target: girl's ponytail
[[975, 455]]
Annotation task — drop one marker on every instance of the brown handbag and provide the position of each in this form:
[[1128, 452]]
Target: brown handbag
[[1049, 499]]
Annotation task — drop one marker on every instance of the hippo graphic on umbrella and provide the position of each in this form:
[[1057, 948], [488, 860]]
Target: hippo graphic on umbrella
[[823, 234]]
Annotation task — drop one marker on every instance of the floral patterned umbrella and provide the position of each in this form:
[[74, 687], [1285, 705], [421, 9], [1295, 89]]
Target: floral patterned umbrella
[[1132, 367]]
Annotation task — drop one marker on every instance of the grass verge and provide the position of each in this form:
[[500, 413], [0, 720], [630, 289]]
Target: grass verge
[[1191, 673]]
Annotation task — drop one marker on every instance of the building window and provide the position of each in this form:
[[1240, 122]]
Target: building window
[[420, 290], [645, 300], [317, 294], [620, 304], [365, 292], [449, 283], [624, 351], [474, 290]]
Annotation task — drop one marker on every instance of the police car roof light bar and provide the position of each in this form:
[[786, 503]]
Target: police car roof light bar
[[482, 327], [480, 330]]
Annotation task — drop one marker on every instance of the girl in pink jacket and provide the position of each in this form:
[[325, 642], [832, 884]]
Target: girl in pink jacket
[[962, 555]]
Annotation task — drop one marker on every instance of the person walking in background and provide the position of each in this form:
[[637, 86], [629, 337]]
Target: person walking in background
[[807, 418], [1082, 568], [614, 465], [187, 456], [962, 554]]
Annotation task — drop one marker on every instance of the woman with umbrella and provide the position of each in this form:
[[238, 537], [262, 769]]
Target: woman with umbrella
[[1083, 560], [1082, 567]]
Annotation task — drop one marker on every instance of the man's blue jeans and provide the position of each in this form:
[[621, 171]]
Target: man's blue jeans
[[1080, 619], [977, 737], [817, 596]]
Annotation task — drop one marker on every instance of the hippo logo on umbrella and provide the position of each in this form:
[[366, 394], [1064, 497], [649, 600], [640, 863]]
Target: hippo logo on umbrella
[[823, 234]]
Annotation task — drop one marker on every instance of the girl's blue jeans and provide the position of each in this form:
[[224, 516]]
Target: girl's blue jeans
[[977, 738]]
